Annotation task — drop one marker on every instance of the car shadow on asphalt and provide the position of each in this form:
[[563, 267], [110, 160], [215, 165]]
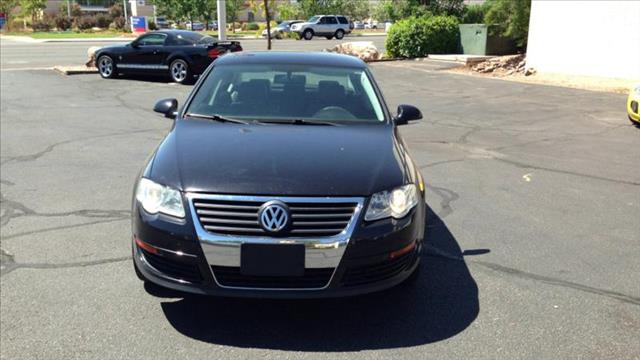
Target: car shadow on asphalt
[[440, 304]]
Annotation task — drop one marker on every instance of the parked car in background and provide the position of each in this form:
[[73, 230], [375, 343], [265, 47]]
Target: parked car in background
[[371, 25], [329, 26], [633, 105], [282, 28], [358, 25], [283, 175], [161, 22], [213, 25], [180, 54], [196, 26]]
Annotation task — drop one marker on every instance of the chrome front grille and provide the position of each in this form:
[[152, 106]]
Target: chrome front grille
[[238, 215]]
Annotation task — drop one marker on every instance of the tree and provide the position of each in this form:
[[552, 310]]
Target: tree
[[6, 7], [233, 6], [287, 11], [446, 7], [33, 8], [268, 18], [509, 18], [356, 9]]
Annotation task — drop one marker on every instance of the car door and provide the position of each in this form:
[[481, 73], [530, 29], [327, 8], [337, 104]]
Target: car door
[[332, 25], [148, 54], [322, 26]]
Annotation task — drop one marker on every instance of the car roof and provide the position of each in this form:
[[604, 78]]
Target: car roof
[[175, 32], [290, 57]]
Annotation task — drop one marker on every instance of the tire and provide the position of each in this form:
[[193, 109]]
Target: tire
[[339, 34], [106, 67], [180, 72], [307, 34]]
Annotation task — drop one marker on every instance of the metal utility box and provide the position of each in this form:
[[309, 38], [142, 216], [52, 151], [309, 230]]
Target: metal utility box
[[476, 40]]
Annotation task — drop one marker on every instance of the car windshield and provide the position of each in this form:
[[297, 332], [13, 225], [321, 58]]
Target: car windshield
[[314, 19], [282, 92]]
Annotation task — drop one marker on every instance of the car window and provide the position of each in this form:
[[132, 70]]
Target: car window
[[324, 20], [331, 20], [343, 20], [189, 38], [314, 19], [152, 39], [282, 91]]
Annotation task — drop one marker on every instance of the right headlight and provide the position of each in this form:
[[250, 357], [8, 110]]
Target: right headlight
[[156, 198], [395, 203]]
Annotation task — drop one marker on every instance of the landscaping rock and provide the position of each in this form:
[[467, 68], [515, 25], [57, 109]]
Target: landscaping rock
[[502, 65], [91, 55], [364, 50]]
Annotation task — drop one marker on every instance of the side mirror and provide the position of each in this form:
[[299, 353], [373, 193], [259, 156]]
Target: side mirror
[[167, 107], [407, 113]]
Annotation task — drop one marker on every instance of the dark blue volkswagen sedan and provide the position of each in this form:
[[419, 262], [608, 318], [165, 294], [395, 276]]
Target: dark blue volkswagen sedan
[[283, 175]]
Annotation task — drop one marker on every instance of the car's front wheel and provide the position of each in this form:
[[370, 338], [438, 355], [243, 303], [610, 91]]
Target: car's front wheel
[[339, 34], [106, 67], [179, 71], [307, 34]]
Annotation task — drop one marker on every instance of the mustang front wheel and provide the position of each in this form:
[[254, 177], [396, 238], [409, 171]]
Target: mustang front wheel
[[106, 67], [179, 71]]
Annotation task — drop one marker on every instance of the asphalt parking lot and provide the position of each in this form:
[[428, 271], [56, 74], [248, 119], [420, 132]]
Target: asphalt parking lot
[[533, 234]]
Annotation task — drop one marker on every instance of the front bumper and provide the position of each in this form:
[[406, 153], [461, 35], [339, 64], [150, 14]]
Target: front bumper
[[377, 256], [633, 107]]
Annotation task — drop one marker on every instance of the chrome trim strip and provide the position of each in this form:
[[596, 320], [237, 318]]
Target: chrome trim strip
[[321, 252], [142, 66]]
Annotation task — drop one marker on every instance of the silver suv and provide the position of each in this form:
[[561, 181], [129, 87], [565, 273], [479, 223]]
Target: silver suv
[[329, 26]]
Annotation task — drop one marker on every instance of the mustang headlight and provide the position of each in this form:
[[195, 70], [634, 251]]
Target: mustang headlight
[[156, 198], [637, 90], [395, 203]]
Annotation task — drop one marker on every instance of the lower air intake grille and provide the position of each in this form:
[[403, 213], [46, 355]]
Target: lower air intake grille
[[173, 269], [367, 274], [312, 279]]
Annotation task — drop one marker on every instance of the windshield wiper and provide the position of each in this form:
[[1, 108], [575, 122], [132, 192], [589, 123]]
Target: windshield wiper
[[299, 122], [216, 117]]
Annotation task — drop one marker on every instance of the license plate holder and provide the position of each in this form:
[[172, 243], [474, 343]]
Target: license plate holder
[[272, 259]]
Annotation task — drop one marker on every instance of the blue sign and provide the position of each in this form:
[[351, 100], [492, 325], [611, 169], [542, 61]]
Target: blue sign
[[138, 24], [3, 20]]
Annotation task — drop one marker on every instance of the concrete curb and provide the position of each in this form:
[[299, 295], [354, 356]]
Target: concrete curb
[[75, 70]]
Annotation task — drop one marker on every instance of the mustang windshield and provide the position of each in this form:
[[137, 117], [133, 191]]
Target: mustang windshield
[[266, 92]]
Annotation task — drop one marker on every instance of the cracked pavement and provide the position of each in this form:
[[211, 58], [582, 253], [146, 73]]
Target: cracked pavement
[[533, 243]]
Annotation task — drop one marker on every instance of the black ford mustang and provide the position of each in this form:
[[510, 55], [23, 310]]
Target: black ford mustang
[[178, 53], [283, 175]]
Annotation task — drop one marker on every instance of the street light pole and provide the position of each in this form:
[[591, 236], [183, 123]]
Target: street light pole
[[126, 17], [69, 8], [222, 20]]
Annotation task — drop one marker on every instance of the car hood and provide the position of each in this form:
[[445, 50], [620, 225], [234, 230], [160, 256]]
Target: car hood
[[302, 160]]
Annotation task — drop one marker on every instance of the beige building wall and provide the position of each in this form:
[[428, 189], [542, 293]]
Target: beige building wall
[[594, 38]]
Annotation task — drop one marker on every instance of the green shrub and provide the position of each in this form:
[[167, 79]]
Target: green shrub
[[118, 23], [63, 23], [86, 22], [42, 25], [473, 14], [251, 26], [417, 37], [103, 21], [152, 25]]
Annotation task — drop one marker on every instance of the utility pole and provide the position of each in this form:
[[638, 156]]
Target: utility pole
[[222, 20], [69, 8], [126, 17], [266, 12]]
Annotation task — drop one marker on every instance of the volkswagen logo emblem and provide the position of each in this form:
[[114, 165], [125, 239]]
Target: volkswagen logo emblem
[[274, 216]]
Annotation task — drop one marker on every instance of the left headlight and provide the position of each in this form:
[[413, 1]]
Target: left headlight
[[156, 198], [395, 203]]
